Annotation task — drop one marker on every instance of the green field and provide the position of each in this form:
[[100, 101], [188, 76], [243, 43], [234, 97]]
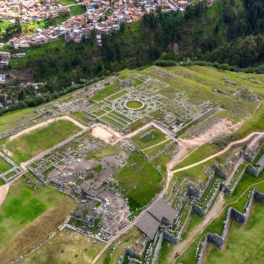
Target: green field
[[245, 243], [4, 166], [27, 146], [104, 152], [201, 153], [106, 91], [134, 104], [139, 180], [11, 120], [26, 216], [155, 137]]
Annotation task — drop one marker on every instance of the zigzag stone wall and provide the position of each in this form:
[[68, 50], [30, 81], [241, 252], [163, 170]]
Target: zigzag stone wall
[[232, 214]]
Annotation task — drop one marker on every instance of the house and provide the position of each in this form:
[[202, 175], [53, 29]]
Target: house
[[160, 212]]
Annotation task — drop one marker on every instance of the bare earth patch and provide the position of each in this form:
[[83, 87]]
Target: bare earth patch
[[102, 133]]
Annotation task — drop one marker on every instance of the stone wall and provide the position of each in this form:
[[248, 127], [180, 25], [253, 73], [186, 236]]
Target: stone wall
[[157, 249], [171, 237], [230, 192], [254, 171], [232, 214]]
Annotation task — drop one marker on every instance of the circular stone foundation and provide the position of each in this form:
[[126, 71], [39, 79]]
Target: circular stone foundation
[[134, 105]]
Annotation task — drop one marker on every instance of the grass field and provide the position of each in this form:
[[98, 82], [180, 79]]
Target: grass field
[[61, 249], [11, 120], [27, 146], [149, 140], [27, 216], [139, 180], [4, 166], [245, 243], [104, 152], [106, 91], [134, 104], [201, 153]]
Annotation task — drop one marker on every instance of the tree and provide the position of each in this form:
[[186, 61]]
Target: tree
[[122, 27], [143, 8], [224, 67]]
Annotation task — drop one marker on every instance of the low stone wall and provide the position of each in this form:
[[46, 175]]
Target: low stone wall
[[202, 212]]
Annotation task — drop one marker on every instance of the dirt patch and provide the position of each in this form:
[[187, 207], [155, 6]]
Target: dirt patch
[[102, 133], [3, 192]]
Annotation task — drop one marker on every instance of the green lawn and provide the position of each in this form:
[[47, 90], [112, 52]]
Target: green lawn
[[154, 150], [4, 166], [26, 216], [139, 181], [134, 104], [27, 146]]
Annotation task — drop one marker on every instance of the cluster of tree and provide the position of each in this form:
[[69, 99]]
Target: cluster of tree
[[228, 32], [32, 102], [10, 29]]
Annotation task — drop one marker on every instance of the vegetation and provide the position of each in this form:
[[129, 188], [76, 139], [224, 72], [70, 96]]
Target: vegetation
[[29, 145], [27, 216], [63, 243], [77, 10], [139, 180], [4, 166]]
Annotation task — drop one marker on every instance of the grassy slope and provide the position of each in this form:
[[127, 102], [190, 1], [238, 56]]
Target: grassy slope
[[61, 249], [201, 153], [245, 244], [106, 91], [26, 216], [11, 120], [139, 180], [29, 145]]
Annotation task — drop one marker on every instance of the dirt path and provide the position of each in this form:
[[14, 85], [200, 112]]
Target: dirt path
[[220, 152], [3, 192], [156, 145], [185, 147]]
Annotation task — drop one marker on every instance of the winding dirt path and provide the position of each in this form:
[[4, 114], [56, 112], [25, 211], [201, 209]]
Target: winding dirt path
[[220, 152]]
